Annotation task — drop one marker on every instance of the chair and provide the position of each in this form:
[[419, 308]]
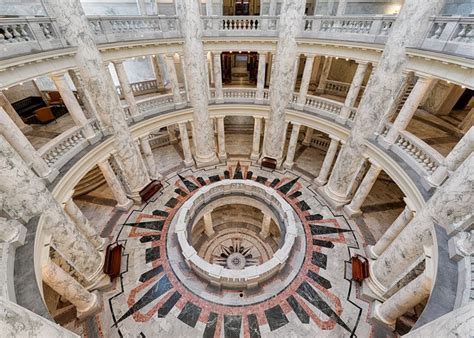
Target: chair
[[44, 115], [55, 99], [268, 162]]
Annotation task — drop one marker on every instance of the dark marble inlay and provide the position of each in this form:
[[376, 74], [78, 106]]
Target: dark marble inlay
[[274, 182], [211, 325], [300, 312], [152, 254], [307, 292], [319, 279], [249, 175], [295, 194], [168, 305], [153, 225], [171, 202], [319, 259], [317, 229], [152, 238], [150, 274], [261, 179], [156, 291], [285, 188], [303, 205], [238, 172], [160, 213], [201, 181], [254, 329], [189, 185], [232, 325], [214, 178], [276, 318], [315, 217], [325, 244], [181, 192], [190, 314], [226, 174]]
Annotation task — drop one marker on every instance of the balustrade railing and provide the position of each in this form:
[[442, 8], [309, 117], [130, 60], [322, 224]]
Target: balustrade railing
[[337, 88], [322, 105], [240, 25], [140, 88]]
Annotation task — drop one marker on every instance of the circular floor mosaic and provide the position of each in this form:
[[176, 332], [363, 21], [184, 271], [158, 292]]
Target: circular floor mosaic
[[312, 295]]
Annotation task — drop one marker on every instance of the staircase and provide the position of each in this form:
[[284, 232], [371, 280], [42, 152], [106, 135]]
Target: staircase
[[89, 182], [403, 99], [238, 128]]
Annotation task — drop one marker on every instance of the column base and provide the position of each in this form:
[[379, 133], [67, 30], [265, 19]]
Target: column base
[[205, 162], [51, 175], [288, 165], [102, 283], [94, 308], [219, 100], [371, 289], [334, 200], [258, 101], [188, 163], [223, 157], [299, 106], [180, 105], [306, 144], [351, 212], [370, 252], [383, 143], [26, 128], [341, 120], [137, 118], [94, 139], [319, 91], [317, 182], [377, 318], [125, 206], [263, 235], [255, 157]]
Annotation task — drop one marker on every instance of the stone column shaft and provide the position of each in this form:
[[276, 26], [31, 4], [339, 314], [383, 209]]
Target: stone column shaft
[[155, 61], [409, 108], [308, 136], [216, 58], [208, 227], [123, 202], [83, 223], [194, 63], [467, 122], [290, 156], [281, 90], [257, 129], [327, 163], [273, 8], [361, 194], [83, 94], [324, 74], [265, 226], [22, 145], [127, 90], [308, 69], [172, 134], [354, 90], [262, 57], [183, 132], [25, 196], [209, 8], [392, 232], [73, 107], [6, 105], [173, 78], [150, 158], [221, 138], [341, 7], [141, 7], [66, 286]]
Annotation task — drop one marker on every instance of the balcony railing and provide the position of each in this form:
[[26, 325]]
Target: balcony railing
[[19, 36]]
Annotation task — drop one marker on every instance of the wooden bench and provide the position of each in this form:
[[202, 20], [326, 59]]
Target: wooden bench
[[152, 188], [113, 260], [268, 162], [360, 268]]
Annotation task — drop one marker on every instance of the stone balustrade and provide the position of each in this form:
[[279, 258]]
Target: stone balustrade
[[249, 276], [320, 143], [453, 35], [321, 105], [337, 88], [140, 88]]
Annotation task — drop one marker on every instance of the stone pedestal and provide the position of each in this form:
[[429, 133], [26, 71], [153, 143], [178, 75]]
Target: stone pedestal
[[257, 129], [183, 132], [290, 156], [123, 202], [327, 163]]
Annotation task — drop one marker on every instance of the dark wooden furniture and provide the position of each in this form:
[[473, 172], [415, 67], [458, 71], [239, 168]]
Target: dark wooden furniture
[[360, 268], [44, 115], [55, 99], [269, 162], [152, 188], [113, 259], [26, 107]]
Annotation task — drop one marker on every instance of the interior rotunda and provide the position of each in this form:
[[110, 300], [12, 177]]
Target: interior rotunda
[[236, 168]]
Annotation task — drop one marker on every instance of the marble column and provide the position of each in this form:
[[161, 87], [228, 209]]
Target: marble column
[[392, 232], [185, 79], [150, 158], [73, 107], [404, 300], [75, 29], [290, 155], [467, 122], [265, 226], [341, 7], [83, 94], [353, 208], [283, 76], [268, 74], [183, 133], [208, 228], [308, 136], [216, 58], [315, 72], [141, 7], [209, 8], [6, 105], [123, 202], [262, 57], [172, 134], [173, 78], [273, 8], [354, 90], [327, 163], [450, 205], [195, 72], [83, 223], [257, 129], [324, 74], [155, 61], [127, 90], [308, 69], [409, 108], [379, 95], [12, 232], [86, 303], [221, 138], [25, 196], [22, 145]]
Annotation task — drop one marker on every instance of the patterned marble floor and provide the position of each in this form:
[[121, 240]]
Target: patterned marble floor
[[317, 298]]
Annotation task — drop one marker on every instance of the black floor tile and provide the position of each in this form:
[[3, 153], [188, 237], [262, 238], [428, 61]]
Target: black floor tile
[[298, 309], [168, 305], [211, 325], [214, 178], [232, 326], [254, 329], [261, 179], [276, 318], [190, 314], [317, 229], [153, 225], [325, 244], [151, 238], [171, 202], [319, 259], [150, 273], [319, 279], [152, 254]]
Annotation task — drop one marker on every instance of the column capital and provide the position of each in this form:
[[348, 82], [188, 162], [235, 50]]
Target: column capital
[[263, 53], [59, 75], [374, 164], [362, 62], [118, 62], [295, 124], [335, 138], [310, 56], [424, 77], [409, 204]]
